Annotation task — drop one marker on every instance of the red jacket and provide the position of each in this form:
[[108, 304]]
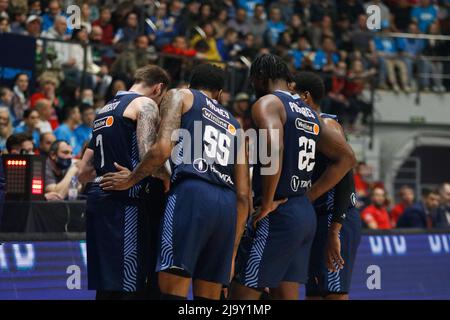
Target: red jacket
[[380, 215]]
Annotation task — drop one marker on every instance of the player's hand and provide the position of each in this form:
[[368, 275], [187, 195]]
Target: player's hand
[[335, 262], [120, 180], [262, 212], [53, 196]]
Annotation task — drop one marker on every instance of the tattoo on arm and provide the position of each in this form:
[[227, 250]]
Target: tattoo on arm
[[171, 110], [147, 125]]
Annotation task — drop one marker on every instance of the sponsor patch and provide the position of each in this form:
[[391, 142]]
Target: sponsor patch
[[218, 121], [307, 126], [103, 123]]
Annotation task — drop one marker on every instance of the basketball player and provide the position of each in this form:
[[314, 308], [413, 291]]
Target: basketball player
[[276, 252], [207, 205], [338, 232], [117, 235]]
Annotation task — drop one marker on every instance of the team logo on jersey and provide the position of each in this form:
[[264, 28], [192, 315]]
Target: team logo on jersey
[[200, 165], [297, 183], [103, 123], [307, 126], [353, 199], [218, 121]]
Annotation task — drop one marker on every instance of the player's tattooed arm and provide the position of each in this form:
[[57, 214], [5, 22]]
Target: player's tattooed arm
[[146, 126], [171, 109]]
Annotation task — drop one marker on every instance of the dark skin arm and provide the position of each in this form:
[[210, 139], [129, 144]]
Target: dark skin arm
[[241, 180], [333, 145], [268, 113], [171, 109]]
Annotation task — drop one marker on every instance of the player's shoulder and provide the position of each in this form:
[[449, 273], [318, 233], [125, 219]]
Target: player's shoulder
[[269, 100], [331, 123]]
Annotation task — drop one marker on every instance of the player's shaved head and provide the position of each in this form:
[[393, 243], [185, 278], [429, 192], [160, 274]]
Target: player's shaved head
[[208, 77]]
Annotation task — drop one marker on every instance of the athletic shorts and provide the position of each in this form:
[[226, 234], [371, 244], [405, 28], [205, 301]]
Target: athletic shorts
[[322, 282], [198, 231], [278, 249]]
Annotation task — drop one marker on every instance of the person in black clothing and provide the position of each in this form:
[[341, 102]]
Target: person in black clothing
[[422, 214]]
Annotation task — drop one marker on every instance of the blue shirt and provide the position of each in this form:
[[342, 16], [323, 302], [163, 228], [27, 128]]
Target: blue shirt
[[386, 45], [63, 132], [249, 5], [321, 60], [83, 134], [298, 56], [23, 128], [274, 30], [411, 46], [424, 16]]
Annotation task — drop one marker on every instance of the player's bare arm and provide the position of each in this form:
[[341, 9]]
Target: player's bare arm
[[86, 167], [242, 182], [333, 145], [171, 109], [268, 113]]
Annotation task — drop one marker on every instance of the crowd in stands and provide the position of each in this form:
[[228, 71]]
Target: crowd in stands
[[79, 69]]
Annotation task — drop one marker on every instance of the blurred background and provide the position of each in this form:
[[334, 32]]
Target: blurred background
[[389, 88]]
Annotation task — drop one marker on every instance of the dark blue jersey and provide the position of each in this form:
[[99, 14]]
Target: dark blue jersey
[[326, 202], [114, 139], [301, 132], [207, 145]]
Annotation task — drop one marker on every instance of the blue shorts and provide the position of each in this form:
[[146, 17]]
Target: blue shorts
[[117, 240], [320, 281], [278, 250], [198, 230]]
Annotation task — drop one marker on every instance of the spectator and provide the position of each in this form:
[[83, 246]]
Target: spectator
[[165, 26], [179, 46], [410, 51], [20, 100], [48, 84], [258, 24], [286, 7], [104, 22], [61, 49], [327, 56], [402, 15], [45, 142], [6, 96], [227, 46], [20, 143], [59, 168], [406, 195], [34, 7], [375, 215], [422, 214], [424, 14], [66, 132], [320, 9], [352, 8], [211, 53], [387, 49], [434, 48], [5, 127], [205, 13], [4, 25], [30, 125], [46, 111], [241, 110], [85, 17], [33, 26], [275, 26], [220, 23], [4, 4], [302, 54], [133, 58], [444, 208], [48, 18], [240, 23], [250, 5], [83, 132], [319, 32], [129, 32], [385, 13]]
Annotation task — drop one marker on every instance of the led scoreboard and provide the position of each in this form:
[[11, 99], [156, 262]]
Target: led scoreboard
[[25, 177]]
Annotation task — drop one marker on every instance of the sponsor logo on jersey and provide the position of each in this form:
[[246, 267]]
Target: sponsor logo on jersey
[[225, 177], [353, 199], [103, 123], [200, 165], [307, 126], [218, 121], [108, 107], [297, 183]]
